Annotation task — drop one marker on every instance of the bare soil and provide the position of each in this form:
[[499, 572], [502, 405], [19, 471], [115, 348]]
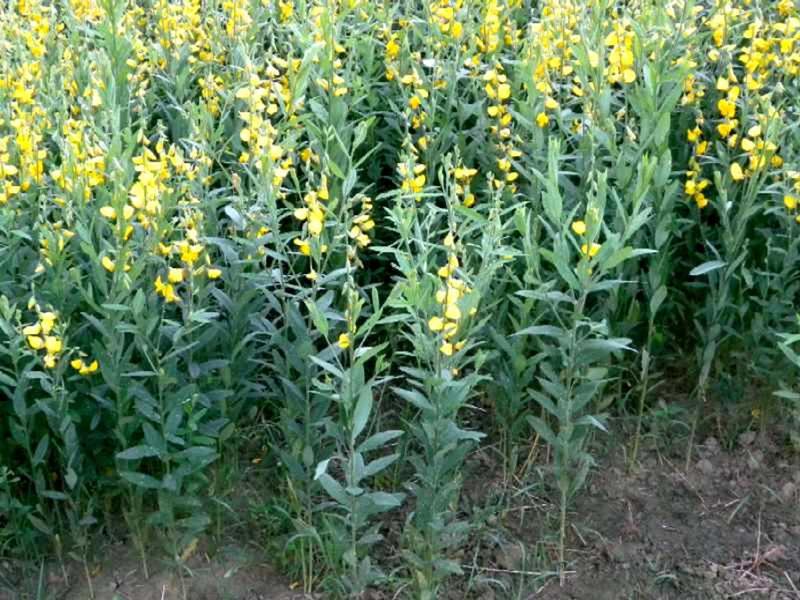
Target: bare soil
[[234, 573], [728, 528]]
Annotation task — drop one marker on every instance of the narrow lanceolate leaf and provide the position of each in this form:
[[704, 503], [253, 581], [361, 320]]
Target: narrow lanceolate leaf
[[141, 480], [378, 440], [414, 397], [137, 453], [707, 267], [334, 489], [362, 412], [544, 330]]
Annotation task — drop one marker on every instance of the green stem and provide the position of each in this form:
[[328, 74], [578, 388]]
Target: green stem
[[562, 537]]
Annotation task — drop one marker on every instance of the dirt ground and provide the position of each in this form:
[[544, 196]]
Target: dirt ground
[[234, 573], [729, 528]]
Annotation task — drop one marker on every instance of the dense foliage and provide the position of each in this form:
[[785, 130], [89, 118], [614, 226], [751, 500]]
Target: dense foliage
[[340, 227]]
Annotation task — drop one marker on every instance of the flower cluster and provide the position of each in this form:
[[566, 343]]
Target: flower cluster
[[419, 93], [313, 213], [553, 54], [498, 90], [587, 250], [263, 99], [83, 165], [9, 186], [42, 336], [191, 255], [695, 185], [444, 13], [463, 176], [620, 41], [361, 225], [412, 173], [449, 296]]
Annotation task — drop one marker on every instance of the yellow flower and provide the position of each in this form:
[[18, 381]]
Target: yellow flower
[[725, 129], [579, 227], [542, 120], [343, 341], [591, 252], [165, 290], [213, 273], [108, 212], [108, 264], [452, 312], [90, 368], [629, 76], [436, 324], [35, 329], [726, 108], [190, 252], [790, 202], [446, 348], [450, 329], [52, 344], [736, 172], [315, 223], [48, 321], [303, 246], [175, 275], [35, 342], [504, 91], [754, 131]]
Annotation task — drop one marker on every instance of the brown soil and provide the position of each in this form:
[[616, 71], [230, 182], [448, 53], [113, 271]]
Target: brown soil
[[234, 573], [729, 528]]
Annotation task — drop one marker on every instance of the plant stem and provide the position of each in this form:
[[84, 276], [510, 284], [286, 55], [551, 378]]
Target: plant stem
[[695, 420], [562, 536], [645, 383]]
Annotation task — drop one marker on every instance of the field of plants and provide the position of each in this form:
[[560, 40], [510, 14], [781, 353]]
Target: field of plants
[[400, 291]]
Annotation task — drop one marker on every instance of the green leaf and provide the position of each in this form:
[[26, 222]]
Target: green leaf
[[329, 367], [41, 450], [138, 452], [378, 465], [658, 299], [141, 480], [662, 129], [618, 257], [386, 501], [609, 345], [362, 412], [544, 330], [378, 440], [707, 267], [320, 322], [334, 489], [543, 430]]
